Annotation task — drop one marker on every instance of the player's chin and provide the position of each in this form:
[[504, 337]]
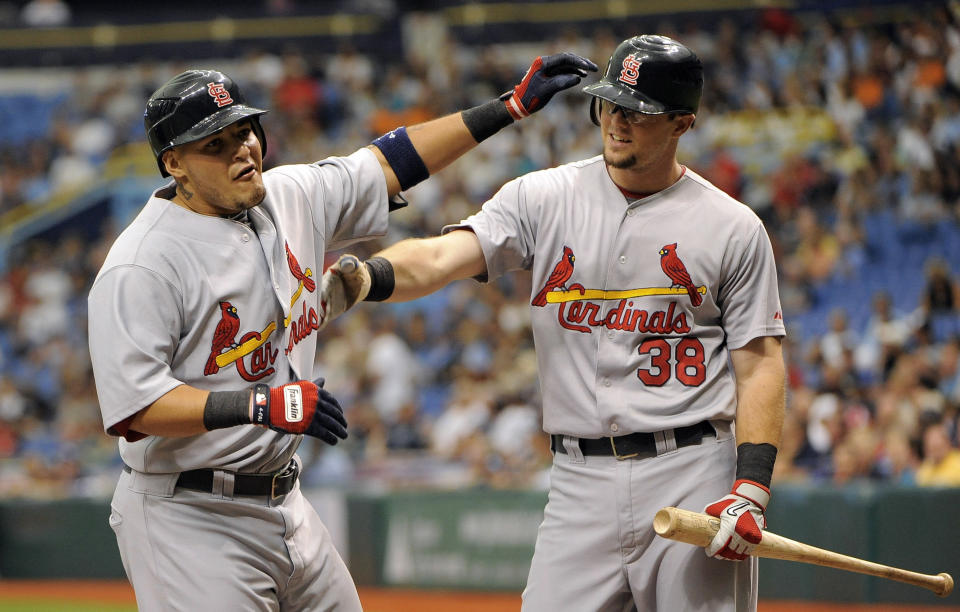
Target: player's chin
[[254, 196], [621, 161]]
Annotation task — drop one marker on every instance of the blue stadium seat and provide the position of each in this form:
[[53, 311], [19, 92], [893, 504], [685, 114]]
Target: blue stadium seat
[[34, 116]]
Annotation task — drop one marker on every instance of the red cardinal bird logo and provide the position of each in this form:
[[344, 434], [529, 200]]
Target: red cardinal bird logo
[[308, 283], [558, 278], [677, 272], [223, 337]]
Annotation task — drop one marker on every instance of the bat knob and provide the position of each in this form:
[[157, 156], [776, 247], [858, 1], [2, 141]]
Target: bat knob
[[349, 264], [665, 522], [947, 587]]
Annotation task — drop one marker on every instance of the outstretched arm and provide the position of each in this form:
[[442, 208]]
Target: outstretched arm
[[422, 266], [409, 155], [405, 271]]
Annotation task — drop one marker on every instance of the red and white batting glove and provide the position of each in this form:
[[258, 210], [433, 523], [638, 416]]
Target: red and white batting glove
[[545, 77], [741, 521], [301, 407]]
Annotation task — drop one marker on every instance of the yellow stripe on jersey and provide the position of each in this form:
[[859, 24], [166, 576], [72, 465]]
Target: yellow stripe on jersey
[[556, 297], [293, 300], [225, 359]]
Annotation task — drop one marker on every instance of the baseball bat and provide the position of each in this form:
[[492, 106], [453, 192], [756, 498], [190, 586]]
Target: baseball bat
[[698, 529]]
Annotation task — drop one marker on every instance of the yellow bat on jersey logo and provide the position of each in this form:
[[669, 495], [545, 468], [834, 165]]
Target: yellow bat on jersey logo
[[559, 297]]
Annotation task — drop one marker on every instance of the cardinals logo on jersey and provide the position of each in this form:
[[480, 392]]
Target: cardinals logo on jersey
[[226, 350], [302, 276], [309, 319], [224, 336], [677, 272], [581, 309], [558, 278]]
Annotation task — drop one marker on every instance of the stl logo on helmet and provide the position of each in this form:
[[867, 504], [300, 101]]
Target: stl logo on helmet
[[631, 70], [219, 94]]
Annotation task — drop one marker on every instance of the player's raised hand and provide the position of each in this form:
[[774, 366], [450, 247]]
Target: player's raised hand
[[545, 77], [343, 284], [741, 521], [301, 407]]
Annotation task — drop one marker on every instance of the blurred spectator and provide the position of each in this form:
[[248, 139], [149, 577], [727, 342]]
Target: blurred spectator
[[897, 461], [838, 343], [941, 460], [885, 336], [392, 368], [45, 13], [941, 295]]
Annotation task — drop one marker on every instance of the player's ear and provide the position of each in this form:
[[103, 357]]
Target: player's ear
[[171, 161], [683, 123]]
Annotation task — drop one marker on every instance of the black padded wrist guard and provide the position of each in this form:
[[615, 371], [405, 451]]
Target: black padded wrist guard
[[226, 409], [487, 119], [381, 279], [755, 462]]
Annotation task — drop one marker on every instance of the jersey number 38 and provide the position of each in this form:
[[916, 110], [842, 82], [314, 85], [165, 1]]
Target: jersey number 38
[[688, 368]]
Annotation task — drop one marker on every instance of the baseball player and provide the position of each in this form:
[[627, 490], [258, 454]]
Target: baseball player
[[657, 323], [203, 330]]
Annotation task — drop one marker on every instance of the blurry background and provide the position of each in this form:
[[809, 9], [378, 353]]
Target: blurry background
[[837, 122]]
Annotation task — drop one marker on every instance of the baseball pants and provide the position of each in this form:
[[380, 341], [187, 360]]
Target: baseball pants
[[189, 550], [596, 549]]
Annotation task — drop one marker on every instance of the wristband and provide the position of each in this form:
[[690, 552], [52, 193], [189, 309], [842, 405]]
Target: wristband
[[403, 157], [261, 405], [381, 279], [755, 462], [487, 119], [226, 409]]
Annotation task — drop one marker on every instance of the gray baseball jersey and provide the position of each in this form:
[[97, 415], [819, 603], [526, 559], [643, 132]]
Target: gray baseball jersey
[[634, 307], [222, 305], [635, 304]]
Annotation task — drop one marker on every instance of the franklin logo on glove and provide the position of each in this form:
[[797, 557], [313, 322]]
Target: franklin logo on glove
[[294, 404]]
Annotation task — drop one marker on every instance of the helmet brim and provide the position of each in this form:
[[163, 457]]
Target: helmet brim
[[625, 97], [216, 122]]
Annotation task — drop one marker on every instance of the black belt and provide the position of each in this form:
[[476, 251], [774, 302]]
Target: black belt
[[635, 445], [273, 485]]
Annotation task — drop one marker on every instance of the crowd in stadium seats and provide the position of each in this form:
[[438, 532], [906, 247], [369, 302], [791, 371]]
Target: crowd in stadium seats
[[843, 136]]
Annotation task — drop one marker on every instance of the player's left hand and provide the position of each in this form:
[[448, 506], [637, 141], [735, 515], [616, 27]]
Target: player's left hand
[[546, 76], [301, 407], [343, 284], [741, 521]]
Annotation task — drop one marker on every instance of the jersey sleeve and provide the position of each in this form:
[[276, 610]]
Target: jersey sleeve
[[505, 230], [349, 198], [749, 297], [134, 326]]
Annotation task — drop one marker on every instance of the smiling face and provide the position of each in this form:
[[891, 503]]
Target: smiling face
[[640, 153], [220, 174]]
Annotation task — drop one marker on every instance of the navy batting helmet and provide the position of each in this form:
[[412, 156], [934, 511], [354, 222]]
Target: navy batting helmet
[[650, 74], [193, 105]]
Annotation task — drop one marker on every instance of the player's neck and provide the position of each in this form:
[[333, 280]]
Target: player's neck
[[640, 183]]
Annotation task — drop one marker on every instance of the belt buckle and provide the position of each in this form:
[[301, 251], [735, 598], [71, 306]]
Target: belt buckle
[[289, 470], [616, 454]]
